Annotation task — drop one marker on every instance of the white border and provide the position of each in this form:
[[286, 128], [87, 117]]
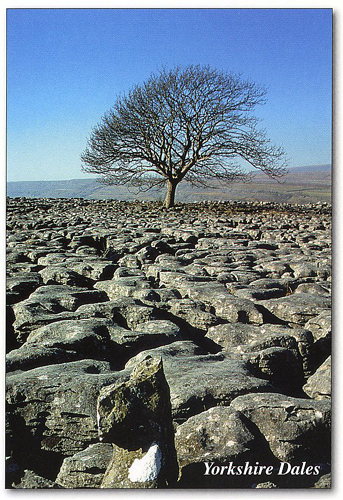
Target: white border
[[338, 230]]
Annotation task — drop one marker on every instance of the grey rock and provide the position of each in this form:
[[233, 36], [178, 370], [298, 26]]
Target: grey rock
[[164, 328], [207, 379], [33, 481], [85, 469], [237, 310], [315, 288], [218, 436], [283, 284], [147, 335], [15, 256], [124, 271], [282, 366], [320, 325], [275, 268], [95, 269], [43, 306], [87, 251], [182, 281], [58, 274], [133, 286], [243, 276], [227, 306], [21, 285], [71, 332], [239, 337], [181, 348], [298, 308], [126, 312], [29, 356], [194, 312], [318, 385], [255, 294], [53, 408], [303, 269], [58, 297], [83, 240], [130, 261], [266, 485], [63, 341], [52, 258], [323, 482], [163, 296], [295, 428], [303, 338]]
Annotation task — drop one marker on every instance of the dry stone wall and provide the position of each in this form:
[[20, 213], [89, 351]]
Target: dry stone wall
[[149, 348]]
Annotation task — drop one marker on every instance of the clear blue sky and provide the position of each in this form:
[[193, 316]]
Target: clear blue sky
[[65, 68]]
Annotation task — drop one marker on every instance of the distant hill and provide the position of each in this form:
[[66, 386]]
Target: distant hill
[[73, 188], [308, 184], [311, 168]]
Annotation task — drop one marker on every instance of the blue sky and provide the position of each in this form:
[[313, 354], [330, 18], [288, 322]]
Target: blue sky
[[65, 68]]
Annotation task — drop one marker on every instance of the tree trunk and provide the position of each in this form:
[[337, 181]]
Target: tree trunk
[[170, 198]]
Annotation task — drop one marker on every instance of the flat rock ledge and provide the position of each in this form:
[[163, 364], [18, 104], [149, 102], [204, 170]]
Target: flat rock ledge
[[188, 348]]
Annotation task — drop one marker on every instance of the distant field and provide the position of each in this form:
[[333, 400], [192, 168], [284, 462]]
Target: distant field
[[257, 191], [301, 185]]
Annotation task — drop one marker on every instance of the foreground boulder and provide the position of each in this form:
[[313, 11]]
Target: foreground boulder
[[136, 416]]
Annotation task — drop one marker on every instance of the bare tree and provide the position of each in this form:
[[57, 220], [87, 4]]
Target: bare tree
[[191, 124]]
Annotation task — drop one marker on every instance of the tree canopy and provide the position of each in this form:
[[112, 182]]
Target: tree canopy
[[193, 124]]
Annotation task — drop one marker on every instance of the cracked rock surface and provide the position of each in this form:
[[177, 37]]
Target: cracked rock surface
[[149, 348]]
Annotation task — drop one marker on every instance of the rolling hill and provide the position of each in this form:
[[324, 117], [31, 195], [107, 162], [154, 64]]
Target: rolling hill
[[309, 184]]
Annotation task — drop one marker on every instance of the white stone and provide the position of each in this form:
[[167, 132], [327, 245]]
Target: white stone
[[148, 467]]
